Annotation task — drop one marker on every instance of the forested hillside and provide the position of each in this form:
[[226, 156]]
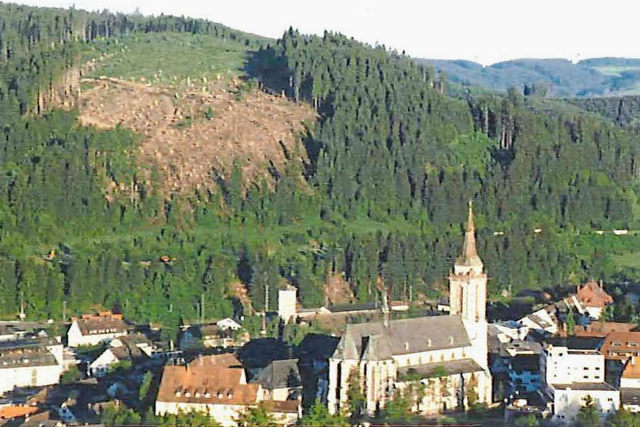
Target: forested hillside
[[547, 77], [376, 200]]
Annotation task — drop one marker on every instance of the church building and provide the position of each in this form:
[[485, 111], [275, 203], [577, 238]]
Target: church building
[[439, 362]]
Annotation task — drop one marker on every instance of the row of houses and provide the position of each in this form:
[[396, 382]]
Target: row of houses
[[457, 359], [545, 361]]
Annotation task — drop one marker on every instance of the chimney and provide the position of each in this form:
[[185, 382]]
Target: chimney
[[450, 339], [428, 342]]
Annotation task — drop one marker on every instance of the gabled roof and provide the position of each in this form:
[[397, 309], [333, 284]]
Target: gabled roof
[[602, 329], [448, 368], [318, 346], [632, 368], [592, 294], [100, 325], [280, 374], [403, 336], [620, 342], [216, 379]]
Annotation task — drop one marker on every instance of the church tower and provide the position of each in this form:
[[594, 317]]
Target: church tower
[[468, 282], [468, 292]]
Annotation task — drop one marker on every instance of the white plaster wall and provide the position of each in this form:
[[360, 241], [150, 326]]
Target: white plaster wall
[[29, 377], [567, 402]]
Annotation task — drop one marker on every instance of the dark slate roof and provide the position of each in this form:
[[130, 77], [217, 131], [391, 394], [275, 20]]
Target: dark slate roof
[[585, 386], [429, 370], [401, 336], [280, 374], [259, 353], [344, 308], [525, 363], [577, 343], [630, 396], [30, 352], [101, 325], [318, 346]]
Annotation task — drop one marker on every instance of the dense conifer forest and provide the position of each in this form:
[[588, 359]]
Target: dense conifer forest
[[379, 201]]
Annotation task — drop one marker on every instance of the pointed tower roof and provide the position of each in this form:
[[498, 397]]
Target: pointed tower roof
[[469, 256]]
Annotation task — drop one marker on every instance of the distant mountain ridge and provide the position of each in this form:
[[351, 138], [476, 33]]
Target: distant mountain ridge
[[560, 77]]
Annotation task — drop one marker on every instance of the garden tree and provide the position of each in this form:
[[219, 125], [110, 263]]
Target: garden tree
[[355, 395], [622, 418], [257, 416], [589, 414], [529, 420], [571, 322], [399, 407], [145, 385], [318, 415], [378, 200]]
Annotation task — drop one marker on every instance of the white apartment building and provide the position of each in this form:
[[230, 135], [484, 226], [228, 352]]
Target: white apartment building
[[93, 330], [569, 376], [561, 365], [30, 363]]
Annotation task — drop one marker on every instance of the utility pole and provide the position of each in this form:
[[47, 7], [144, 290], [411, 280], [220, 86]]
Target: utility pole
[[64, 311], [22, 313], [202, 308], [266, 298]]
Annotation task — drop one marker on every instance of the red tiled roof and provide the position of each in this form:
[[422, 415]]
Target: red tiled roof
[[591, 294], [216, 379], [632, 368], [621, 345], [602, 329], [13, 411]]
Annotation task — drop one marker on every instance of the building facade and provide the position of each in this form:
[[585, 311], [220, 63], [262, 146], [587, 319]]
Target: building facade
[[446, 356], [30, 363], [94, 330], [217, 386]]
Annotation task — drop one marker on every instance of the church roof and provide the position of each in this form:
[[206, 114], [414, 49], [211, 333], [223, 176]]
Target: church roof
[[375, 341], [469, 256], [439, 369]]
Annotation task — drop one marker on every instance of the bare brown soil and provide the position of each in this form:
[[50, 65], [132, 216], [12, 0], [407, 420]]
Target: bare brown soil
[[195, 134], [337, 290]]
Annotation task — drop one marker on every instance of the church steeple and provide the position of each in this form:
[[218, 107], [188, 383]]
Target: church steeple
[[469, 258]]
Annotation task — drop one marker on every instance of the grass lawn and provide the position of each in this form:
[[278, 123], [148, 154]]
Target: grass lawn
[[167, 58]]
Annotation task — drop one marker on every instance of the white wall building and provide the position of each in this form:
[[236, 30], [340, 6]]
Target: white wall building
[[30, 363], [134, 347], [287, 303], [567, 401], [93, 330], [217, 385], [445, 355], [561, 365]]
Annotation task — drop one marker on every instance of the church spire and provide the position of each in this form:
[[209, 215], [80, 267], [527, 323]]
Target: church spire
[[469, 256]]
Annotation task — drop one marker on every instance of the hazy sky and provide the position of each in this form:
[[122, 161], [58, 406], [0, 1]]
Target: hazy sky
[[486, 31]]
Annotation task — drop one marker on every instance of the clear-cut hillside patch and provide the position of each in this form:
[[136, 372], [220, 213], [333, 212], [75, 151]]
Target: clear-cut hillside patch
[[194, 134]]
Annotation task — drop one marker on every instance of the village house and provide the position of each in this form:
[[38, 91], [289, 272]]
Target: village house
[[31, 362], [281, 380], [593, 298], [601, 329], [223, 333], [621, 346], [445, 354], [217, 385], [630, 385], [569, 375], [524, 373], [135, 348], [96, 329]]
